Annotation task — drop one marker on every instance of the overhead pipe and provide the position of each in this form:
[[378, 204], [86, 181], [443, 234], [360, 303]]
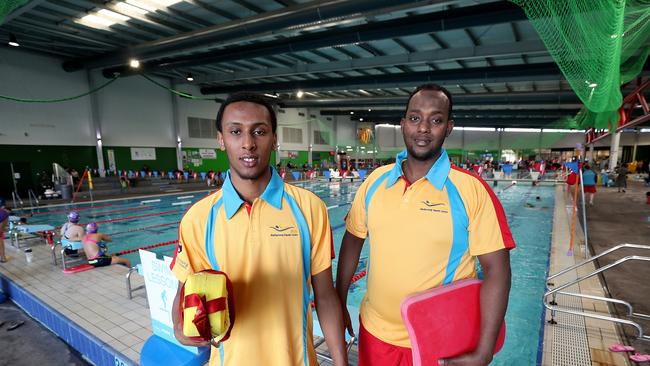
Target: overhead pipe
[[293, 16], [457, 18], [528, 72], [557, 99]]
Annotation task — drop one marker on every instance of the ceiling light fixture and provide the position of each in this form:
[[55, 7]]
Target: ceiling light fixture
[[300, 93], [134, 63], [189, 77], [13, 41]]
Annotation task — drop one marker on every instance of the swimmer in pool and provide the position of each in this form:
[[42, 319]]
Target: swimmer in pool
[[96, 250]]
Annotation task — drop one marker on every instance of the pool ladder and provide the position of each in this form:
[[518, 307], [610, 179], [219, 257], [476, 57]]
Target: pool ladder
[[553, 306]]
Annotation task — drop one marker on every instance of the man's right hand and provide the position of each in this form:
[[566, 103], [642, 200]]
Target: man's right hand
[[182, 339]]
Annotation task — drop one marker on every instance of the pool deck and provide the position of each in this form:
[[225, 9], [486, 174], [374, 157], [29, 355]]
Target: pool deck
[[95, 303]]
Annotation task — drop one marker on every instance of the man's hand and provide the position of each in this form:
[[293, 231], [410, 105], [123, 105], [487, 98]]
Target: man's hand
[[178, 325], [347, 322], [468, 359], [182, 339]]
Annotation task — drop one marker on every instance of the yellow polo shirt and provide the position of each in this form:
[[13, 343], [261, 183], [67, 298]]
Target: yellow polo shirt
[[270, 255], [422, 235]]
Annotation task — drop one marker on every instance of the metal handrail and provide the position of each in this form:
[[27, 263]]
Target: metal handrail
[[639, 330], [31, 194], [599, 270], [626, 245], [630, 311], [14, 197], [552, 306]]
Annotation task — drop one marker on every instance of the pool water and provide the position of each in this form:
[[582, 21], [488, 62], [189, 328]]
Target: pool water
[[136, 223]]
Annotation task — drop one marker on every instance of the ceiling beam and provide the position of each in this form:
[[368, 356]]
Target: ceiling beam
[[201, 39], [554, 99], [500, 74], [535, 47], [461, 18]]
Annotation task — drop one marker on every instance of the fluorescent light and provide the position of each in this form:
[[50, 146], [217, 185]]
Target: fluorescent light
[[141, 5], [351, 112], [300, 93], [593, 85], [189, 77], [13, 41], [369, 109], [361, 119], [522, 130], [93, 21], [165, 2], [132, 8], [475, 128], [105, 13], [270, 95], [645, 130], [134, 63]]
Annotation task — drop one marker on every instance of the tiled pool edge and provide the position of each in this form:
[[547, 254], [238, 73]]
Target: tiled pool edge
[[90, 347]]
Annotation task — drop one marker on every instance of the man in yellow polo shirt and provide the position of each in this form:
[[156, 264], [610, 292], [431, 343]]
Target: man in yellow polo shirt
[[274, 242], [426, 221]]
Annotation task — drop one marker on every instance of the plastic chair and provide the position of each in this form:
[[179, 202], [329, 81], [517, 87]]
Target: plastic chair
[[296, 175], [203, 175], [129, 290], [70, 245]]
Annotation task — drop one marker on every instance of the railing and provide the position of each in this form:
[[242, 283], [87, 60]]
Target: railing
[[16, 200], [32, 195], [553, 306]]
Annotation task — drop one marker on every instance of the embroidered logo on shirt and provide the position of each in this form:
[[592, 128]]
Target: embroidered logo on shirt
[[433, 207], [284, 231]]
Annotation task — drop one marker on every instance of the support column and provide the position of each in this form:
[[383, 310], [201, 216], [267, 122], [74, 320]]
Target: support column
[[310, 138], [636, 143], [591, 154], [539, 145], [613, 150], [95, 124], [500, 137], [462, 148], [176, 128]]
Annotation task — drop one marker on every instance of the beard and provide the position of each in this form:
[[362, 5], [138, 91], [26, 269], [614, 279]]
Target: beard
[[251, 174], [427, 155]]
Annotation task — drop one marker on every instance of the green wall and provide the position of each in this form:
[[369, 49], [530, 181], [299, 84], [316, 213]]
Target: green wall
[[30, 160], [303, 157], [218, 165], [165, 159]]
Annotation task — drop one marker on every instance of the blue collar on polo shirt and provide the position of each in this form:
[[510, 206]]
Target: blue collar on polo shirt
[[272, 194], [437, 175]]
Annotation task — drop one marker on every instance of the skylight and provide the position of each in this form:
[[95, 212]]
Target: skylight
[[124, 10]]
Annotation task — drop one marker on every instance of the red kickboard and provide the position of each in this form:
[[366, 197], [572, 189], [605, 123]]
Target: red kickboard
[[445, 322], [79, 268]]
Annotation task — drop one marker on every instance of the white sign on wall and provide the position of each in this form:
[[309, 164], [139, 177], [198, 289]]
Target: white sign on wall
[[161, 287], [111, 160], [143, 153], [208, 153]]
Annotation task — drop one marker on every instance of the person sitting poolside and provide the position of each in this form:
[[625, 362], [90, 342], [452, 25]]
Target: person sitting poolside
[[96, 251], [72, 231]]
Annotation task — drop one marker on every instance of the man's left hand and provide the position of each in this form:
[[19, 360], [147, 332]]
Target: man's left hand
[[468, 359]]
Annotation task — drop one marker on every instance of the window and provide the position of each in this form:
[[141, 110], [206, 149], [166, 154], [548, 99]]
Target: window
[[321, 137], [291, 135], [201, 128]]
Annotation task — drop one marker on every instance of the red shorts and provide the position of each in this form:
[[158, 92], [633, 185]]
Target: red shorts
[[590, 189], [375, 352]]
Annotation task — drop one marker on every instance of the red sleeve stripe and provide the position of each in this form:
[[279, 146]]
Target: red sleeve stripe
[[506, 235]]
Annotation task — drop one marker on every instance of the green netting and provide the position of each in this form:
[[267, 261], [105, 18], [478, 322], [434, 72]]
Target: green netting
[[7, 6], [598, 44]]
